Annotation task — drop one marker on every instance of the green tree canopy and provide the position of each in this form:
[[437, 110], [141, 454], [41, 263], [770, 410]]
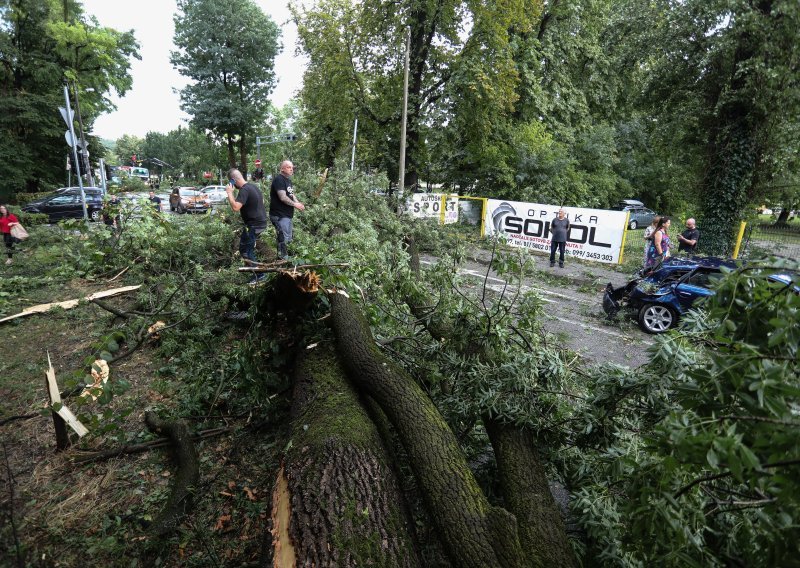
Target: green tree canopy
[[227, 48], [42, 44]]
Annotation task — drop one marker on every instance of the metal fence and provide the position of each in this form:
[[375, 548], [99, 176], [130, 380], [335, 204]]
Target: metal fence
[[763, 239]]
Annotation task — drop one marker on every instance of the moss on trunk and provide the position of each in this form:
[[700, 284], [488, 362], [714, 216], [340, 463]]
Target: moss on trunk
[[345, 508], [474, 533], [527, 495]]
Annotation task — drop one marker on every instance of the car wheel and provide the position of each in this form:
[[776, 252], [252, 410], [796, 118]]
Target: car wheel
[[633, 225], [94, 214], [656, 318]]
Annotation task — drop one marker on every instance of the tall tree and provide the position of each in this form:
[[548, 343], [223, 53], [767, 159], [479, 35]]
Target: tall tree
[[42, 44], [356, 53], [728, 80], [228, 48]]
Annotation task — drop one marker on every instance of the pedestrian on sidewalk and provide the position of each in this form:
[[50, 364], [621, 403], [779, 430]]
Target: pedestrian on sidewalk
[[687, 241], [658, 251], [282, 203], [648, 236], [8, 220], [250, 204], [559, 228]]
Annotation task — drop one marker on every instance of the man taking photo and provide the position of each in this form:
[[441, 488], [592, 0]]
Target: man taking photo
[[250, 204]]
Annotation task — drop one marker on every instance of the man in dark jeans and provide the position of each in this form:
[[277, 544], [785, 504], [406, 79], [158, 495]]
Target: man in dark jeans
[[282, 203], [250, 204], [688, 239], [559, 228]]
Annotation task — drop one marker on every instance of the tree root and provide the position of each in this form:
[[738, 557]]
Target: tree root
[[181, 496]]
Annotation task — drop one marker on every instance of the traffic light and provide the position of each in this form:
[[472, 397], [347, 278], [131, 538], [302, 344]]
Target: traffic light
[[84, 163]]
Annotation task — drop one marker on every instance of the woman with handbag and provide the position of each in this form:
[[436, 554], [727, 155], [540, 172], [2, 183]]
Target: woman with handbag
[[7, 220]]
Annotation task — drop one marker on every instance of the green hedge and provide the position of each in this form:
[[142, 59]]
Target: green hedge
[[25, 198], [28, 219]]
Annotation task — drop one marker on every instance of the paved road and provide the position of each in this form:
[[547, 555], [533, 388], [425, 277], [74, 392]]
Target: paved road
[[576, 317]]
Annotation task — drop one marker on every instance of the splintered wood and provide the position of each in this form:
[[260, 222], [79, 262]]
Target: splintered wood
[[64, 414], [69, 304], [283, 551], [307, 281]]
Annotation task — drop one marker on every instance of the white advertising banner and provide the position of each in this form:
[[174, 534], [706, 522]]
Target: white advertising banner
[[429, 206], [595, 234]]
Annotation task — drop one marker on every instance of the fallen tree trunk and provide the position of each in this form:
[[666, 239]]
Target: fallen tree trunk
[[336, 501], [474, 533], [527, 495], [524, 485], [181, 495]]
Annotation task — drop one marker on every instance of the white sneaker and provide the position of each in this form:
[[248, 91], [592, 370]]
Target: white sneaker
[[9, 261]]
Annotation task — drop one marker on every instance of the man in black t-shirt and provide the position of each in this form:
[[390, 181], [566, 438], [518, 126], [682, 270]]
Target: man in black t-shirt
[[250, 204], [688, 239], [282, 203]]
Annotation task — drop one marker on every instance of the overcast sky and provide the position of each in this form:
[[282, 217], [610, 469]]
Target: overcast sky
[[151, 104]]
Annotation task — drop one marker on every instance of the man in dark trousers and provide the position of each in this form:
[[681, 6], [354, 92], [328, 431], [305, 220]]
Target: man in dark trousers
[[250, 204], [559, 228], [282, 203], [688, 239]]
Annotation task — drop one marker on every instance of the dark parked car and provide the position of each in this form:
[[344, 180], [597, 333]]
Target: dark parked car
[[188, 199], [640, 216], [660, 296], [65, 203]]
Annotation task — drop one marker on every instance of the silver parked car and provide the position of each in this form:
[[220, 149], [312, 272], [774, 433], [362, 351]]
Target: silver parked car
[[640, 216], [215, 193]]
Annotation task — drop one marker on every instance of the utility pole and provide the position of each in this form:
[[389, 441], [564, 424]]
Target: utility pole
[[401, 183]]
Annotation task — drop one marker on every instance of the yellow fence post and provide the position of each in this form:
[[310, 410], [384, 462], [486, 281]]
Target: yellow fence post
[[739, 240], [485, 201], [443, 206], [624, 238]]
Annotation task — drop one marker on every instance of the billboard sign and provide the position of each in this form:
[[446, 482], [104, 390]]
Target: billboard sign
[[595, 234], [429, 206]]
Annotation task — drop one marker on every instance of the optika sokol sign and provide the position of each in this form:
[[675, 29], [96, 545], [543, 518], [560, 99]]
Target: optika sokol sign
[[594, 234]]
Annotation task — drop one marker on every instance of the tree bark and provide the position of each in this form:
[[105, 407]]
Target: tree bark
[[474, 533], [527, 495], [337, 500], [526, 492]]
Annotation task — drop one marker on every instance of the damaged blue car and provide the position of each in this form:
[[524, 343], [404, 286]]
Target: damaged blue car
[[661, 295]]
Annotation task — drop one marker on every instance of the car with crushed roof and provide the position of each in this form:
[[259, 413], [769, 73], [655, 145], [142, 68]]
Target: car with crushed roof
[[659, 296]]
